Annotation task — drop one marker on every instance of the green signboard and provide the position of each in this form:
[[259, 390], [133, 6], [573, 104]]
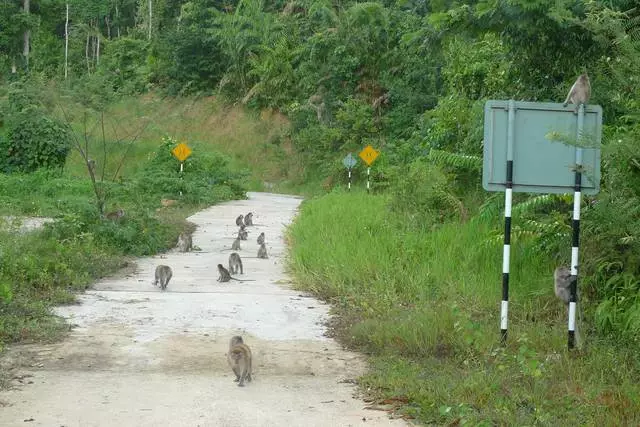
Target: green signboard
[[544, 147]]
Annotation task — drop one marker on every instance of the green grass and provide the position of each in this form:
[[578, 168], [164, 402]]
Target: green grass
[[424, 303]]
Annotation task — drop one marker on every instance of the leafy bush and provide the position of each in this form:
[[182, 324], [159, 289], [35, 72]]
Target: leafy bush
[[207, 177], [33, 138], [421, 191]]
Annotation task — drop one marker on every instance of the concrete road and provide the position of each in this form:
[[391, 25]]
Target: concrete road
[[142, 357]]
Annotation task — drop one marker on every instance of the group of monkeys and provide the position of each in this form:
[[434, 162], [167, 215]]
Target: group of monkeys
[[239, 354], [164, 273]]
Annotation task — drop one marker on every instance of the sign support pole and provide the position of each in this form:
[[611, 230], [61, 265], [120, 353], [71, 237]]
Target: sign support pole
[[506, 251], [368, 175], [349, 185], [575, 239]]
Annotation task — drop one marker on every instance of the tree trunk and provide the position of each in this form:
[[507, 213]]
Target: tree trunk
[[150, 17], [66, 44], [27, 35], [97, 49], [108, 25], [117, 19], [86, 53]]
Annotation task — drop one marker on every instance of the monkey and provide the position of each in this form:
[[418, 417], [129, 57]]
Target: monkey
[[235, 263], [562, 284], [91, 164], [579, 93], [562, 288], [225, 276], [239, 359], [260, 239], [242, 233], [163, 275], [248, 219], [262, 252], [235, 246], [185, 242], [117, 214], [239, 220]]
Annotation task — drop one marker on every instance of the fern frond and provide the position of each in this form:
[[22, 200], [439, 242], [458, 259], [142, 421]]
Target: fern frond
[[455, 159], [534, 203], [490, 209]]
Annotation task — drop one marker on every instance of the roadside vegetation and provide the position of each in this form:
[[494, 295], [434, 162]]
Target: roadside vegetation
[[424, 303], [271, 96]]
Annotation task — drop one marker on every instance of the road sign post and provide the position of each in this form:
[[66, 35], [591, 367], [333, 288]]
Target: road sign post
[[349, 162], [521, 156], [181, 152], [369, 155]]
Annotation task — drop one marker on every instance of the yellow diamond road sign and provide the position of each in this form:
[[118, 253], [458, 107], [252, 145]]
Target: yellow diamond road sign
[[181, 151], [369, 155]]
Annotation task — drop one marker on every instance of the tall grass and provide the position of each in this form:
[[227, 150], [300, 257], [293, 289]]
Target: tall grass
[[254, 142], [424, 302]]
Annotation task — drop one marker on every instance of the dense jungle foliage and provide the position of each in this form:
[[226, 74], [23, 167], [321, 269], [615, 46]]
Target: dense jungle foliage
[[409, 77]]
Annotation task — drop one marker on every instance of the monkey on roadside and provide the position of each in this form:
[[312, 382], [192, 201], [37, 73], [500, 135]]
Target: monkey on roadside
[[239, 359], [562, 288], [185, 242], [562, 284], [225, 276], [239, 221], [260, 239], [163, 275], [248, 219], [579, 93], [91, 164], [235, 263], [262, 252], [117, 214]]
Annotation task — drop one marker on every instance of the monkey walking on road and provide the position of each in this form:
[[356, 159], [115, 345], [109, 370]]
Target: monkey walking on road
[[163, 275], [239, 359], [235, 263]]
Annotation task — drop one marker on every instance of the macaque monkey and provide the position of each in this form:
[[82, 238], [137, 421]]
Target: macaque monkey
[[248, 219], [235, 246], [239, 359], [239, 221], [242, 233], [185, 242], [235, 263], [262, 252], [260, 239], [117, 214], [225, 276], [562, 288], [579, 93], [92, 165], [163, 275], [562, 284]]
